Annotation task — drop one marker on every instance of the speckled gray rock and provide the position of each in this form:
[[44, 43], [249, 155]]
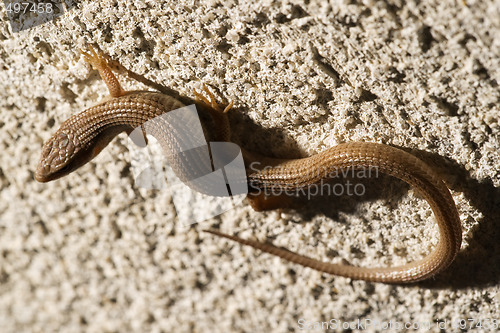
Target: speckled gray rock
[[92, 252]]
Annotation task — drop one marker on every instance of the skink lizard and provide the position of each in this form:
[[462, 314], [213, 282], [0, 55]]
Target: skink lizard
[[84, 135]]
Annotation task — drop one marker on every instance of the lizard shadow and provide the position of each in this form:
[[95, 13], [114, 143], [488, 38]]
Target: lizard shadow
[[474, 266]]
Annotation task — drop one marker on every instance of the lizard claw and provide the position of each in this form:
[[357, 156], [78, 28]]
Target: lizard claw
[[210, 101], [99, 59]]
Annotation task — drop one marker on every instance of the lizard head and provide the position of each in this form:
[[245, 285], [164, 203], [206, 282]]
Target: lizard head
[[65, 152], [60, 156]]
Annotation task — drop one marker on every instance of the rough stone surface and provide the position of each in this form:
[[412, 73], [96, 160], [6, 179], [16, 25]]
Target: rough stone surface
[[92, 252]]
